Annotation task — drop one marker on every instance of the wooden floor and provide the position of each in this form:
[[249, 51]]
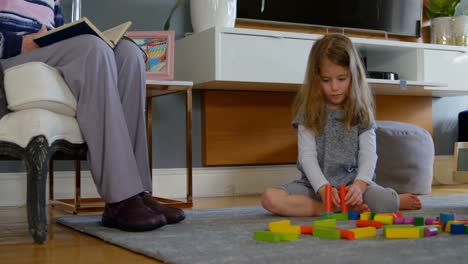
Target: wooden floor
[[68, 246]]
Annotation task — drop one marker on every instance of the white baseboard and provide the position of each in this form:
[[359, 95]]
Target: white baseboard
[[207, 181], [167, 183]]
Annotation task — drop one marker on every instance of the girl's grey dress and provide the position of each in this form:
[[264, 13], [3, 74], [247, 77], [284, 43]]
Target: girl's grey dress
[[337, 155]]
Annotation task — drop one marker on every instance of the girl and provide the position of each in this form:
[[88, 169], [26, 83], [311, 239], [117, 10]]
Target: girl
[[336, 138]]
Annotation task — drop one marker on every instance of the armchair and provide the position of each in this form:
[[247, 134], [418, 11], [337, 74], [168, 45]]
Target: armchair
[[37, 125]]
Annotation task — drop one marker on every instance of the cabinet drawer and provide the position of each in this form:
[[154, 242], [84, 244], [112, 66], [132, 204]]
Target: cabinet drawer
[[446, 66], [250, 58]]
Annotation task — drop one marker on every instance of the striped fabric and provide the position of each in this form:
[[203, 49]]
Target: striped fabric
[[18, 17]]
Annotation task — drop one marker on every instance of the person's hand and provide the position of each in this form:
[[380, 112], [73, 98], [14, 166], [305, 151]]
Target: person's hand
[[354, 193], [28, 42], [334, 194]]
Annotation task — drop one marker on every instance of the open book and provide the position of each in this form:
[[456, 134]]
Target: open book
[[80, 27]]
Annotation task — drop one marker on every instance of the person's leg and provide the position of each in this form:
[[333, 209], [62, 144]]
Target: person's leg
[[89, 68], [132, 90], [296, 198], [386, 200]]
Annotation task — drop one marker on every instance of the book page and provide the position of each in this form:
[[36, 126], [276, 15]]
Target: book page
[[115, 34]]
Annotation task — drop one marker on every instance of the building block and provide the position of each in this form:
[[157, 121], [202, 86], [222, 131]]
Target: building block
[[384, 219], [286, 229], [430, 231], [457, 228], [340, 216], [328, 199], [396, 226], [307, 230], [398, 220], [325, 232], [365, 223], [422, 229], [275, 224], [353, 215], [449, 224], [445, 217], [439, 223], [419, 221], [365, 216], [342, 192], [410, 232], [364, 232], [267, 236], [429, 221], [288, 237], [325, 222], [466, 229], [346, 234], [408, 220]]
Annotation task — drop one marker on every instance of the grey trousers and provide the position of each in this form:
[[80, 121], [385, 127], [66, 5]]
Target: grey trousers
[[109, 86], [378, 198]]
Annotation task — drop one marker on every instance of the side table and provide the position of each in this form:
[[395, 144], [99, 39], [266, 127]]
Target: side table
[[159, 88]]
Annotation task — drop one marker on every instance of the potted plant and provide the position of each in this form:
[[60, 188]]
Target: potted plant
[[441, 12], [176, 5]]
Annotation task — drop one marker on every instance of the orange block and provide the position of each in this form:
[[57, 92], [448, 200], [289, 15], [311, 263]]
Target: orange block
[[365, 223]]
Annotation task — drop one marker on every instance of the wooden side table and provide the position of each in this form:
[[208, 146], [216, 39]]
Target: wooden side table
[[159, 88]]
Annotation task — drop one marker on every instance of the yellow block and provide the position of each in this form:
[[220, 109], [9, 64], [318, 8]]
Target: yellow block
[[364, 232], [286, 229], [278, 224], [384, 219], [365, 216], [402, 233]]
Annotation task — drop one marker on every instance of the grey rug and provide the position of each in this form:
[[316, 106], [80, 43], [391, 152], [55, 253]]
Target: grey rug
[[225, 236]]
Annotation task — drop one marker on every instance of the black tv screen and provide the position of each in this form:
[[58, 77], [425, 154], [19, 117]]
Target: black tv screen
[[397, 17]]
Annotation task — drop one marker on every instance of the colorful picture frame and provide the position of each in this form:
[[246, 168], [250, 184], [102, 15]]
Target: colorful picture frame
[[159, 49]]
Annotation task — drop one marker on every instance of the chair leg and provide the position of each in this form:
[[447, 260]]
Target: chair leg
[[36, 162]]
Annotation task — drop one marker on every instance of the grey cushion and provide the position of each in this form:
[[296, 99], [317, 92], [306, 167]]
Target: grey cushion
[[405, 157]]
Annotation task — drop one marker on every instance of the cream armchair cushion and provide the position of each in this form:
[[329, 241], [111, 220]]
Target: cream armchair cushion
[[38, 85]]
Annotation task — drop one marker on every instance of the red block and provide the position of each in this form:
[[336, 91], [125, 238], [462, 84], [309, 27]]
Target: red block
[[365, 223], [342, 191], [307, 230]]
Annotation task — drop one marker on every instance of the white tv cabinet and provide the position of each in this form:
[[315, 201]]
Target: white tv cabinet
[[263, 60]]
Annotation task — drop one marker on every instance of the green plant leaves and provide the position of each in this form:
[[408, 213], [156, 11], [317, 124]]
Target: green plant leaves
[[177, 4], [440, 8]]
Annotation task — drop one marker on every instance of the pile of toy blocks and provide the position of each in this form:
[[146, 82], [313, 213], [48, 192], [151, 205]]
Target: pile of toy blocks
[[394, 225]]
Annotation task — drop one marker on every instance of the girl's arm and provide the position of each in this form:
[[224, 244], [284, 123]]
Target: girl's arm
[[308, 158], [367, 158]]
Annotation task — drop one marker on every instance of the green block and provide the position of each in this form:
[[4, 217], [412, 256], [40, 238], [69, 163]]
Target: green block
[[466, 229], [397, 226], [372, 214], [340, 216], [326, 222], [288, 237], [267, 236], [326, 216], [419, 221], [326, 233]]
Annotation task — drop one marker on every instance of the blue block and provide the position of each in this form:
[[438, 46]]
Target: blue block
[[444, 217], [353, 215], [457, 228]]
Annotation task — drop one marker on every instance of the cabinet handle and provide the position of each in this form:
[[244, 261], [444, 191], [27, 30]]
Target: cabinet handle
[[403, 84], [263, 6]]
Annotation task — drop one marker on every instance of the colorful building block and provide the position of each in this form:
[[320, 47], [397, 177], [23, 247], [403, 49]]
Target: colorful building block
[[275, 224], [364, 232], [365, 223], [430, 231], [384, 219], [418, 221], [342, 192], [365, 216], [346, 234], [267, 236], [286, 229], [307, 230], [457, 228], [397, 232], [396, 226], [328, 199], [325, 232], [353, 215], [325, 222], [445, 217]]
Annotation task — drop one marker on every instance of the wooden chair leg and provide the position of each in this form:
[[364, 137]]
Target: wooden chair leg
[[36, 162], [77, 186]]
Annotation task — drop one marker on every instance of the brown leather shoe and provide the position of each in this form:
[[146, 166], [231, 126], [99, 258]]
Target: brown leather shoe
[[132, 215], [173, 215]]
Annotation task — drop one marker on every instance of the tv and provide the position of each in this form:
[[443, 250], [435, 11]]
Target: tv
[[396, 17]]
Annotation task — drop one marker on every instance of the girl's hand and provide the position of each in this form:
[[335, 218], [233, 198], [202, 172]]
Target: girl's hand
[[335, 196], [354, 193], [28, 41]]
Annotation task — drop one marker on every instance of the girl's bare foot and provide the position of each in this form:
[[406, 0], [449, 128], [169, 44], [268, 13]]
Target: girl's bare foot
[[409, 201]]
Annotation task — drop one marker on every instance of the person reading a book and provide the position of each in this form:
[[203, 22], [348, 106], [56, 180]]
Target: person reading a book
[[109, 86]]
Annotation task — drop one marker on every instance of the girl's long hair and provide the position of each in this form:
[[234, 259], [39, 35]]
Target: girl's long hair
[[310, 102]]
